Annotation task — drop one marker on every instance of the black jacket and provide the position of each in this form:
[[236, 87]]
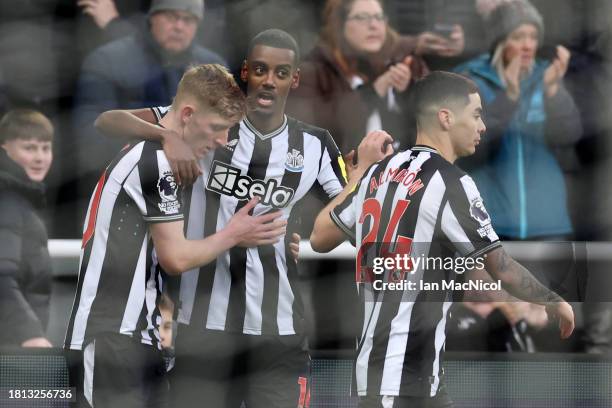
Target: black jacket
[[25, 264]]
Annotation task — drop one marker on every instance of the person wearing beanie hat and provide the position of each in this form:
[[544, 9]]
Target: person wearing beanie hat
[[531, 118], [195, 7], [142, 69], [174, 23], [507, 16]]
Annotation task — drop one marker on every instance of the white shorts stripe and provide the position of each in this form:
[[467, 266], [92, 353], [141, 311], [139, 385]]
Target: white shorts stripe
[[88, 371]]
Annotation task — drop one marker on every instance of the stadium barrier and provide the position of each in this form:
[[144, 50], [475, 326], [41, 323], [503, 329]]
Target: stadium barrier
[[487, 380], [564, 266], [474, 379]]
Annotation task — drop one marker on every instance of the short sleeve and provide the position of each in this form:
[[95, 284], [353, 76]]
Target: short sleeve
[[152, 185], [344, 215], [466, 222], [332, 172], [160, 112]]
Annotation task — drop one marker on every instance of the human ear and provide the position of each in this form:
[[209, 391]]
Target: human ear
[[295, 80], [445, 118], [186, 114]]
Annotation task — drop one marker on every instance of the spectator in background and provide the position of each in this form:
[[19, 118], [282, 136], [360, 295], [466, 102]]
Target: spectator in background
[[357, 77], [495, 326], [103, 21], [25, 274], [446, 31], [530, 117], [166, 329], [32, 48], [140, 70], [166, 309]]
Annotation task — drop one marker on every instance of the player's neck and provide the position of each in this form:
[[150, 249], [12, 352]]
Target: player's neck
[[439, 142], [266, 123], [170, 121]]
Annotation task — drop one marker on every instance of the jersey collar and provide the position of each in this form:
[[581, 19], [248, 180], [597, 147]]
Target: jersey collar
[[278, 131], [425, 148]]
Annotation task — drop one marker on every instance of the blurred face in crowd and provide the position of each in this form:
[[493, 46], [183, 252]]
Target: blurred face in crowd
[[522, 42], [467, 127], [165, 329], [33, 155], [270, 73], [173, 30], [365, 26]]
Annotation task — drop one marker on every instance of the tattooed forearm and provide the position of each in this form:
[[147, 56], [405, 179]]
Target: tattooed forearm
[[517, 280]]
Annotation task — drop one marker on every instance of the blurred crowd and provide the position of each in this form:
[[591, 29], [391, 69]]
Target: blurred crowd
[[544, 70]]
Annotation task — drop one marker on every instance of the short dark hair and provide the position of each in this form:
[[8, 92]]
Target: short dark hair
[[276, 38], [25, 124], [441, 88]]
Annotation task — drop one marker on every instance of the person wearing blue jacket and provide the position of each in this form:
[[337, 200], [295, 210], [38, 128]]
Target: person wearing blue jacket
[[531, 120]]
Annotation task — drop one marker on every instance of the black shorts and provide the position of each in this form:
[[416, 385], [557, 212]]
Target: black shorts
[[116, 371], [215, 369], [441, 400]]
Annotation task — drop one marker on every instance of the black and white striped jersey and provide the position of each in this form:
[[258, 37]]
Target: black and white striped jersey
[[119, 278], [254, 290], [414, 203]]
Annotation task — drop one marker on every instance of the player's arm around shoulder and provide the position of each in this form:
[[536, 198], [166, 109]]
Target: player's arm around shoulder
[[176, 254], [135, 123], [142, 124], [326, 235]]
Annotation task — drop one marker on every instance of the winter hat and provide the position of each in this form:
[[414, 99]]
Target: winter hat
[[506, 17], [195, 7]]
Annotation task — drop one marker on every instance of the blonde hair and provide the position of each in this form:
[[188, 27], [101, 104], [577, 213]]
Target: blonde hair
[[497, 60], [214, 87], [26, 124]]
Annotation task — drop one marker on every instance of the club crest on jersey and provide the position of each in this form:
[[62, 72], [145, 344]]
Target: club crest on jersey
[[167, 188], [228, 180], [231, 145], [295, 161]]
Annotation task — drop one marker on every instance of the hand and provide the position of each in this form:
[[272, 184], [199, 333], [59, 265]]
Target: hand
[[183, 162], [37, 342], [556, 71], [432, 43], [294, 246], [512, 75], [562, 311], [251, 231], [400, 74], [536, 316], [382, 84], [457, 42], [102, 11], [374, 147]]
